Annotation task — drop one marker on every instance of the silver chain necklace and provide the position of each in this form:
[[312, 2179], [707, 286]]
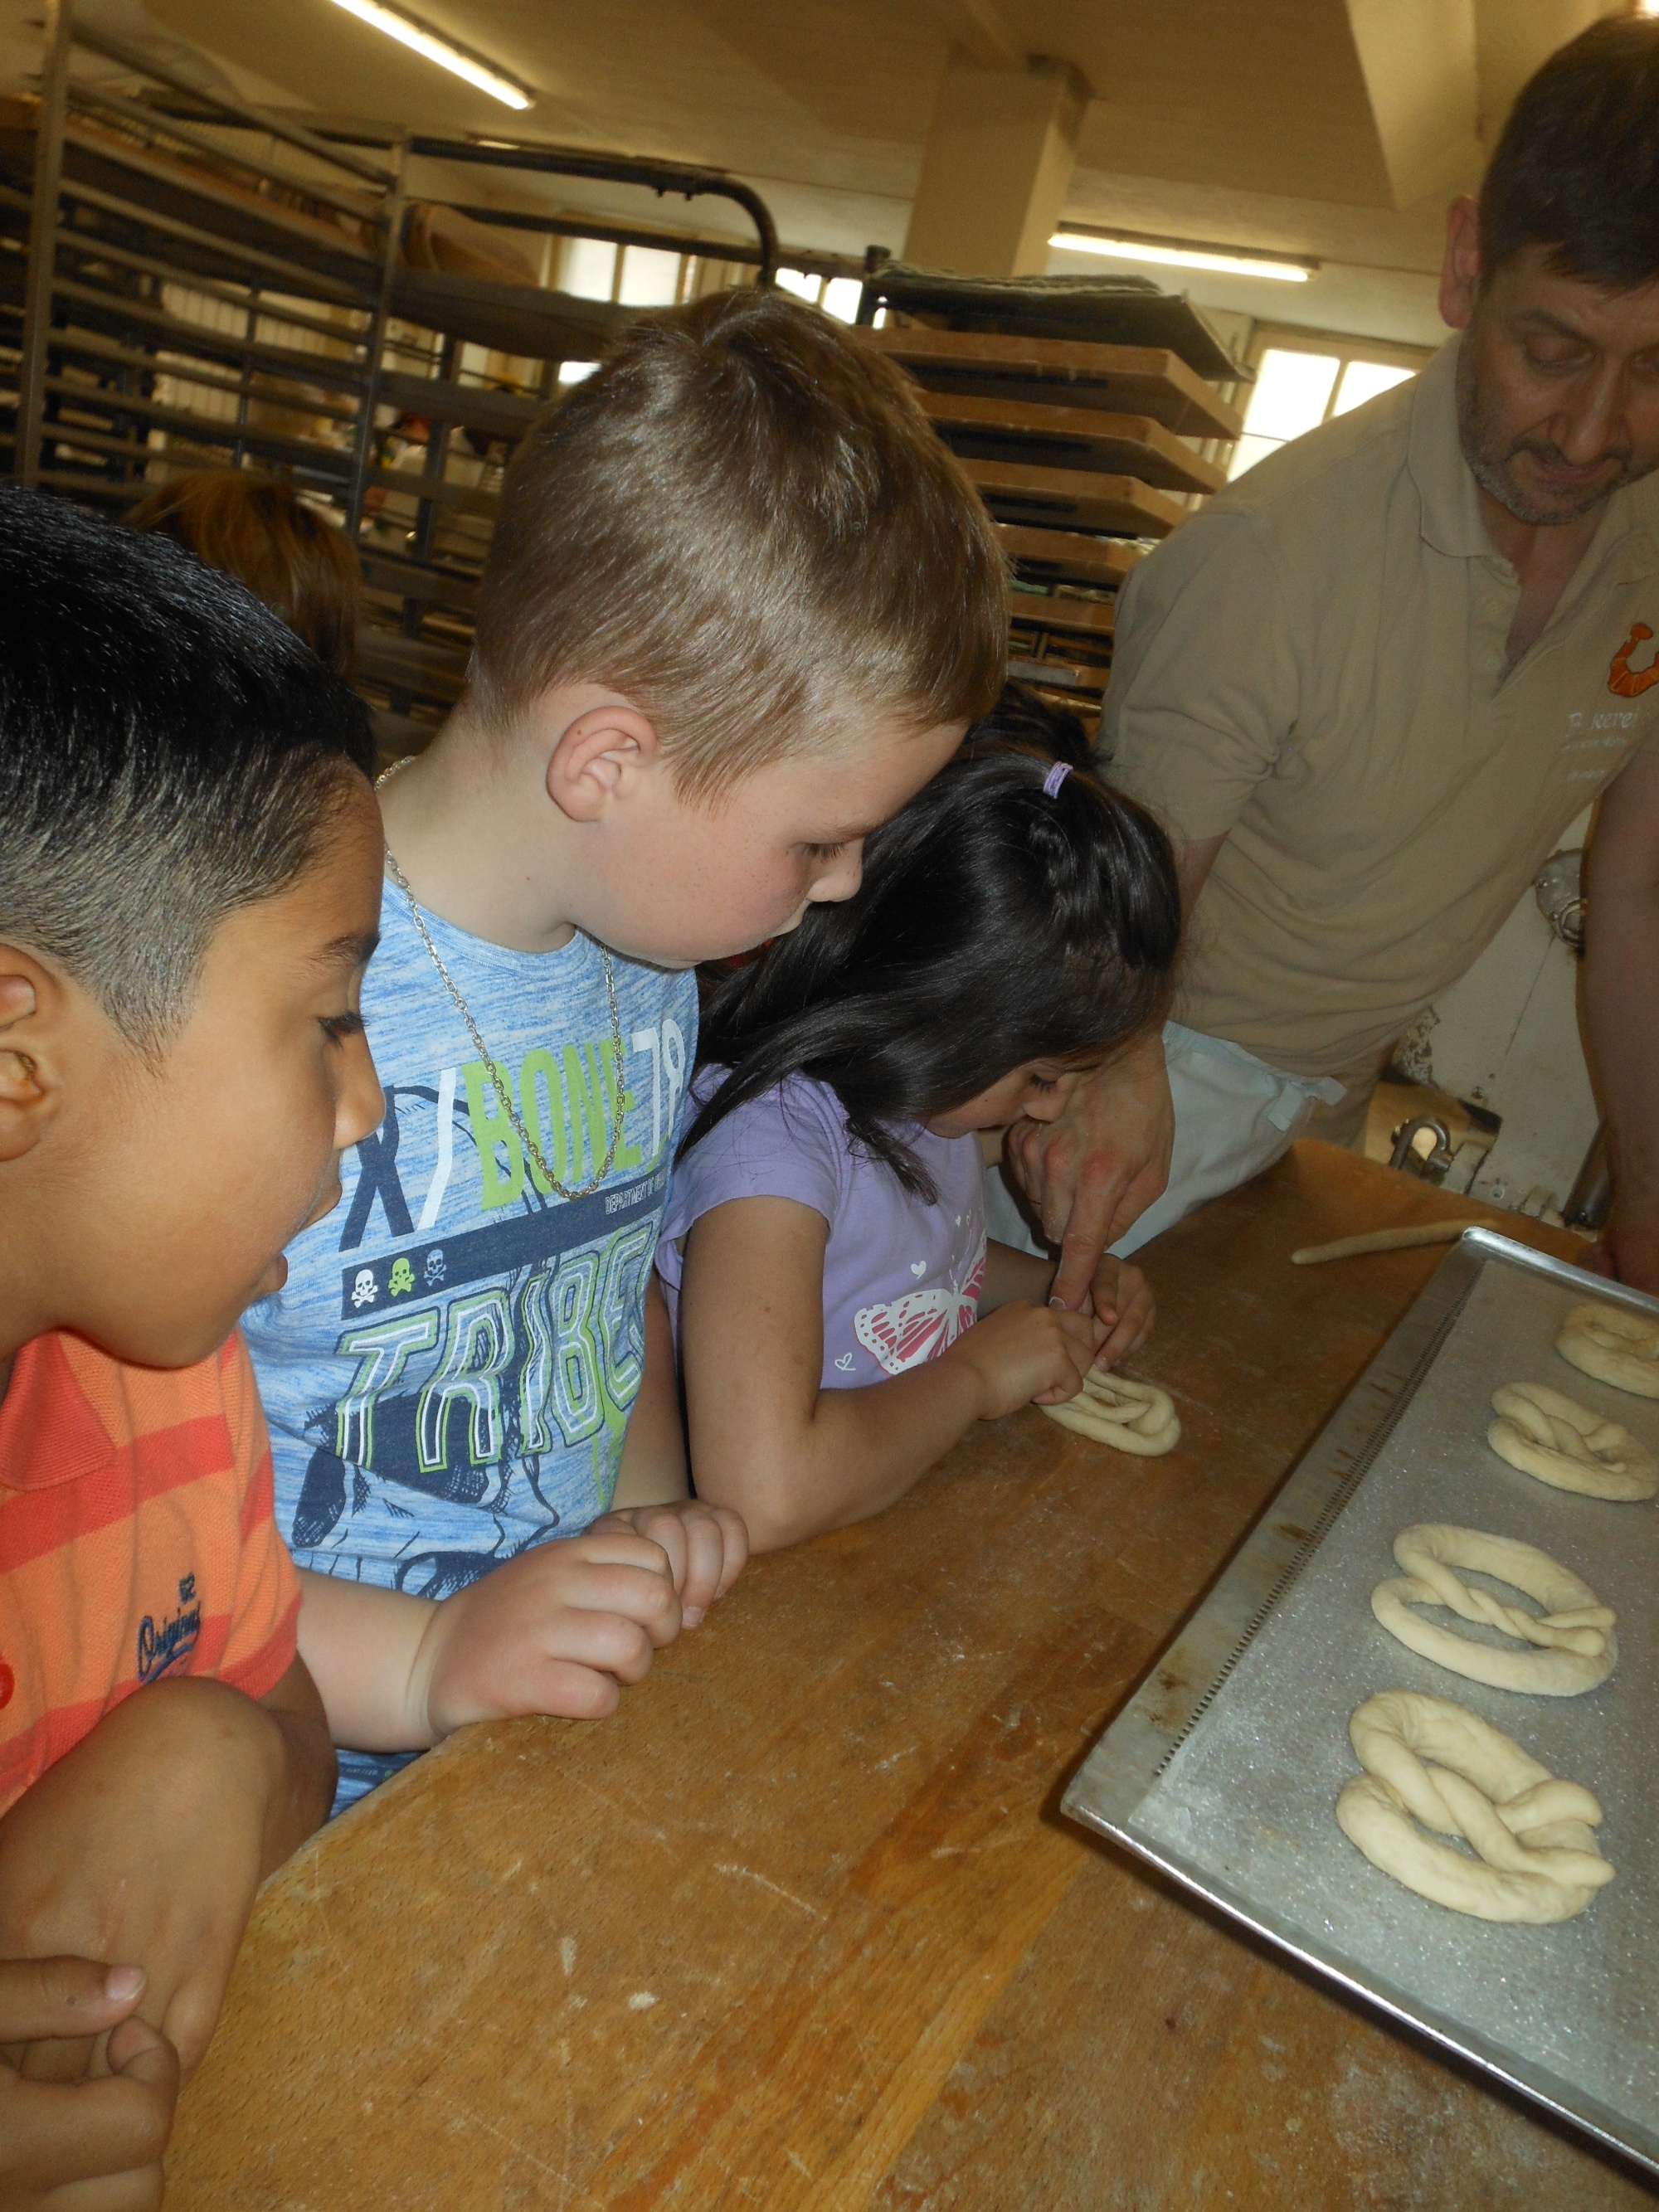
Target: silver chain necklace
[[533, 1150]]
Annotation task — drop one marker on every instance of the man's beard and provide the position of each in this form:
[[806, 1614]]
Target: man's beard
[[1488, 456]]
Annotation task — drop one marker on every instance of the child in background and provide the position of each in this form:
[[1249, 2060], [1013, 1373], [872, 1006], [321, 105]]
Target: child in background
[[741, 603], [824, 1244], [190, 864], [257, 529]]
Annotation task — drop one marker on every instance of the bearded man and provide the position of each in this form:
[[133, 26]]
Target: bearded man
[[1369, 685]]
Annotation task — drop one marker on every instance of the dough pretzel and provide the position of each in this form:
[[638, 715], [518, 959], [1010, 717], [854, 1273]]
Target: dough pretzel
[[1613, 1345], [1567, 1445], [1431, 1761], [1131, 1417], [1577, 1647]]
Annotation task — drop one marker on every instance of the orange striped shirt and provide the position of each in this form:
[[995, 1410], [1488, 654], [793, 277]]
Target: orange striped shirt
[[136, 1542]]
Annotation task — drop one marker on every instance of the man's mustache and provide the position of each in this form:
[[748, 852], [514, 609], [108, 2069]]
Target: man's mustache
[[1541, 449]]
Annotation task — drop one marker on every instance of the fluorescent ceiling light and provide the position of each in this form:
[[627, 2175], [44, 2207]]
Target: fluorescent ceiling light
[[409, 32], [1126, 245]]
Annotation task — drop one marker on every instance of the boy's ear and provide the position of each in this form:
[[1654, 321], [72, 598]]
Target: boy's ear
[[597, 756], [31, 999]]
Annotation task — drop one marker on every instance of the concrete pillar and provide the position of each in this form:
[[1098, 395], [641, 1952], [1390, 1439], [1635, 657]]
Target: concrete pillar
[[1000, 150]]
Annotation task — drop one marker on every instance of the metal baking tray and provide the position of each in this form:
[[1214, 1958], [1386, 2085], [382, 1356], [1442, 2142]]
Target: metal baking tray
[[1224, 1768]]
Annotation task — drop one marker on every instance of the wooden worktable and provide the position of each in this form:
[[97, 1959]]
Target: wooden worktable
[[801, 1926]]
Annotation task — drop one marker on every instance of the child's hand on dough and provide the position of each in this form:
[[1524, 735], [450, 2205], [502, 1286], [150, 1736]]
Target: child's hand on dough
[[1022, 1354], [1122, 1300], [706, 1547]]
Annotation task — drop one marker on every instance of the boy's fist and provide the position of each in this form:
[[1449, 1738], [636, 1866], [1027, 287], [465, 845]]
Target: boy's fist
[[706, 1547], [553, 1630], [94, 2145]]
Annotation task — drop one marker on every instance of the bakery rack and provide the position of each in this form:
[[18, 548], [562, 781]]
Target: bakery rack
[[195, 288], [188, 280], [1088, 443]]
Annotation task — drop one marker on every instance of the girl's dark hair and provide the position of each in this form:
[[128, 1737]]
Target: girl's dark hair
[[995, 925]]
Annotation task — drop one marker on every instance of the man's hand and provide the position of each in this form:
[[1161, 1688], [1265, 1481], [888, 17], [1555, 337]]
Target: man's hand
[[553, 1630], [81, 2146], [1627, 1248], [706, 1547], [1093, 1172], [1619, 989], [147, 1842]]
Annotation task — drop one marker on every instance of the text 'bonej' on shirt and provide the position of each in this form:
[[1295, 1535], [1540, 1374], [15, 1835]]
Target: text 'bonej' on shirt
[[448, 1372]]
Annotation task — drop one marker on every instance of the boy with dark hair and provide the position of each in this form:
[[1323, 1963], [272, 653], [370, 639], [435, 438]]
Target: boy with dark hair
[[740, 604], [189, 887]]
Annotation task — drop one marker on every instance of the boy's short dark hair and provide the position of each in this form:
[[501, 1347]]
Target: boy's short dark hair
[[169, 751], [1577, 169], [744, 523]]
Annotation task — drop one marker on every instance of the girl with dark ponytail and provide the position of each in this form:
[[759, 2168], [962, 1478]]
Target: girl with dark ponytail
[[823, 1250]]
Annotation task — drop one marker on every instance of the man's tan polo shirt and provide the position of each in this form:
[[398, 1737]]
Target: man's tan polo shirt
[[1314, 665]]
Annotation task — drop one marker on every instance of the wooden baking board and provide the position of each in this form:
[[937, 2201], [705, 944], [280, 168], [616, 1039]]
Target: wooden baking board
[[1065, 557], [1075, 499], [1125, 379], [1095, 618], [1070, 438]]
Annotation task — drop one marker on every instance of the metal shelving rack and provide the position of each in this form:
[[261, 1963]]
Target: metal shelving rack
[[185, 279], [420, 594], [190, 280], [1091, 420]]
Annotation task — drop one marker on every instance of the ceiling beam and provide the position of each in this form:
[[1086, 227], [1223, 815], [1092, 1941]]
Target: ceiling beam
[[1512, 37], [1418, 59], [980, 27]]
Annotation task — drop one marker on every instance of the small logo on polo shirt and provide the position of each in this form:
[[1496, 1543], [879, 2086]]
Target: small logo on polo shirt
[[175, 1639], [1625, 682]]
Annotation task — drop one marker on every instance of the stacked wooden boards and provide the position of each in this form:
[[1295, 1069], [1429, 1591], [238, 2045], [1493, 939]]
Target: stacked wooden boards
[[173, 297], [1083, 453]]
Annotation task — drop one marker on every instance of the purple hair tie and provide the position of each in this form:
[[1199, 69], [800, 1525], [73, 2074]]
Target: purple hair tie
[[1056, 776]]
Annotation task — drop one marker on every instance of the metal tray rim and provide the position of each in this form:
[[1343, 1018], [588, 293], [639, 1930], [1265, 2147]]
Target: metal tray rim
[[1123, 1768], [1627, 2137]]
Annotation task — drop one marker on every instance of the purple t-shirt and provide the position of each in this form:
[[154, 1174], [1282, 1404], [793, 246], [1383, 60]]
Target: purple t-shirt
[[901, 1277]]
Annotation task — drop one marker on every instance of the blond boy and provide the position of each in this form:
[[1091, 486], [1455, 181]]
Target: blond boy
[[741, 603]]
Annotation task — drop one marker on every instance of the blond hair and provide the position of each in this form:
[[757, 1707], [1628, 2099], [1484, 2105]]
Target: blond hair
[[256, 528], [746, 525]]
